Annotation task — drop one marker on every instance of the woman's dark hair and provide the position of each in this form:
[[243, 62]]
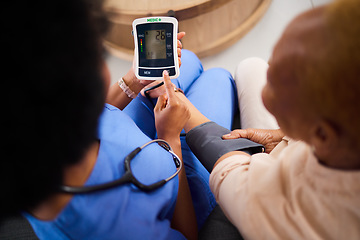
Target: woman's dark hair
[[53, 94]]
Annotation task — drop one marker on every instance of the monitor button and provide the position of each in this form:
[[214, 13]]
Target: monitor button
[[170, 70], [147, 72], [155, 72]]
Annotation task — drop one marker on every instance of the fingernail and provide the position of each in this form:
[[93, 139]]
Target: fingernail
[[165, 73], [227, 135]]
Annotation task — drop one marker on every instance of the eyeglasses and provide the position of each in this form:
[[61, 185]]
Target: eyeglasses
[[129, 176]]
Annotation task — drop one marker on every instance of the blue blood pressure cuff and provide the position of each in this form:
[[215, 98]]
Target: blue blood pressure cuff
[[206, 143]]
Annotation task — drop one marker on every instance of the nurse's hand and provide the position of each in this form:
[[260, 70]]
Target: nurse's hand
[[171, 113]]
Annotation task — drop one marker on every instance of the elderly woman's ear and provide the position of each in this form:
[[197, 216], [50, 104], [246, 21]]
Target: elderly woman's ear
[[324, 137]]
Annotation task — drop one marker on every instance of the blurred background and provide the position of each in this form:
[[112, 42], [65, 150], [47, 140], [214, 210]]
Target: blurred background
[[257, 41]]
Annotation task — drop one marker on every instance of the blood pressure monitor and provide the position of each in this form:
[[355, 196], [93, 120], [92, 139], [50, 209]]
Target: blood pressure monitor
[[155, 47]]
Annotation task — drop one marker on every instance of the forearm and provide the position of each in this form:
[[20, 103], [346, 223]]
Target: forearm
[[184, 218], [196, 118], [117, 97]]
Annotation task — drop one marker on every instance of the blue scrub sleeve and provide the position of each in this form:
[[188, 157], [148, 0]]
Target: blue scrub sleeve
[[206, 143]]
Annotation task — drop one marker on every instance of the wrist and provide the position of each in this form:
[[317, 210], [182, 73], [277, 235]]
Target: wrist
[[175, 144], [132, 82], [173, 139]]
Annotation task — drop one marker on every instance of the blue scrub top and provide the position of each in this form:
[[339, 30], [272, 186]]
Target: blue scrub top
[[124, 212]]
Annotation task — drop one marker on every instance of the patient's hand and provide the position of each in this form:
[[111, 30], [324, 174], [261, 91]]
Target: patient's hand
[[268, 138]]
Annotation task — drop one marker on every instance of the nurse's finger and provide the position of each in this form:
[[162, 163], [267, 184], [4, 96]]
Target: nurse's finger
[[168, 85], [161, 103]]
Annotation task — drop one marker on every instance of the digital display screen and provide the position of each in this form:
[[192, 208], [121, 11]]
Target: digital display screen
[[155, 44]]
